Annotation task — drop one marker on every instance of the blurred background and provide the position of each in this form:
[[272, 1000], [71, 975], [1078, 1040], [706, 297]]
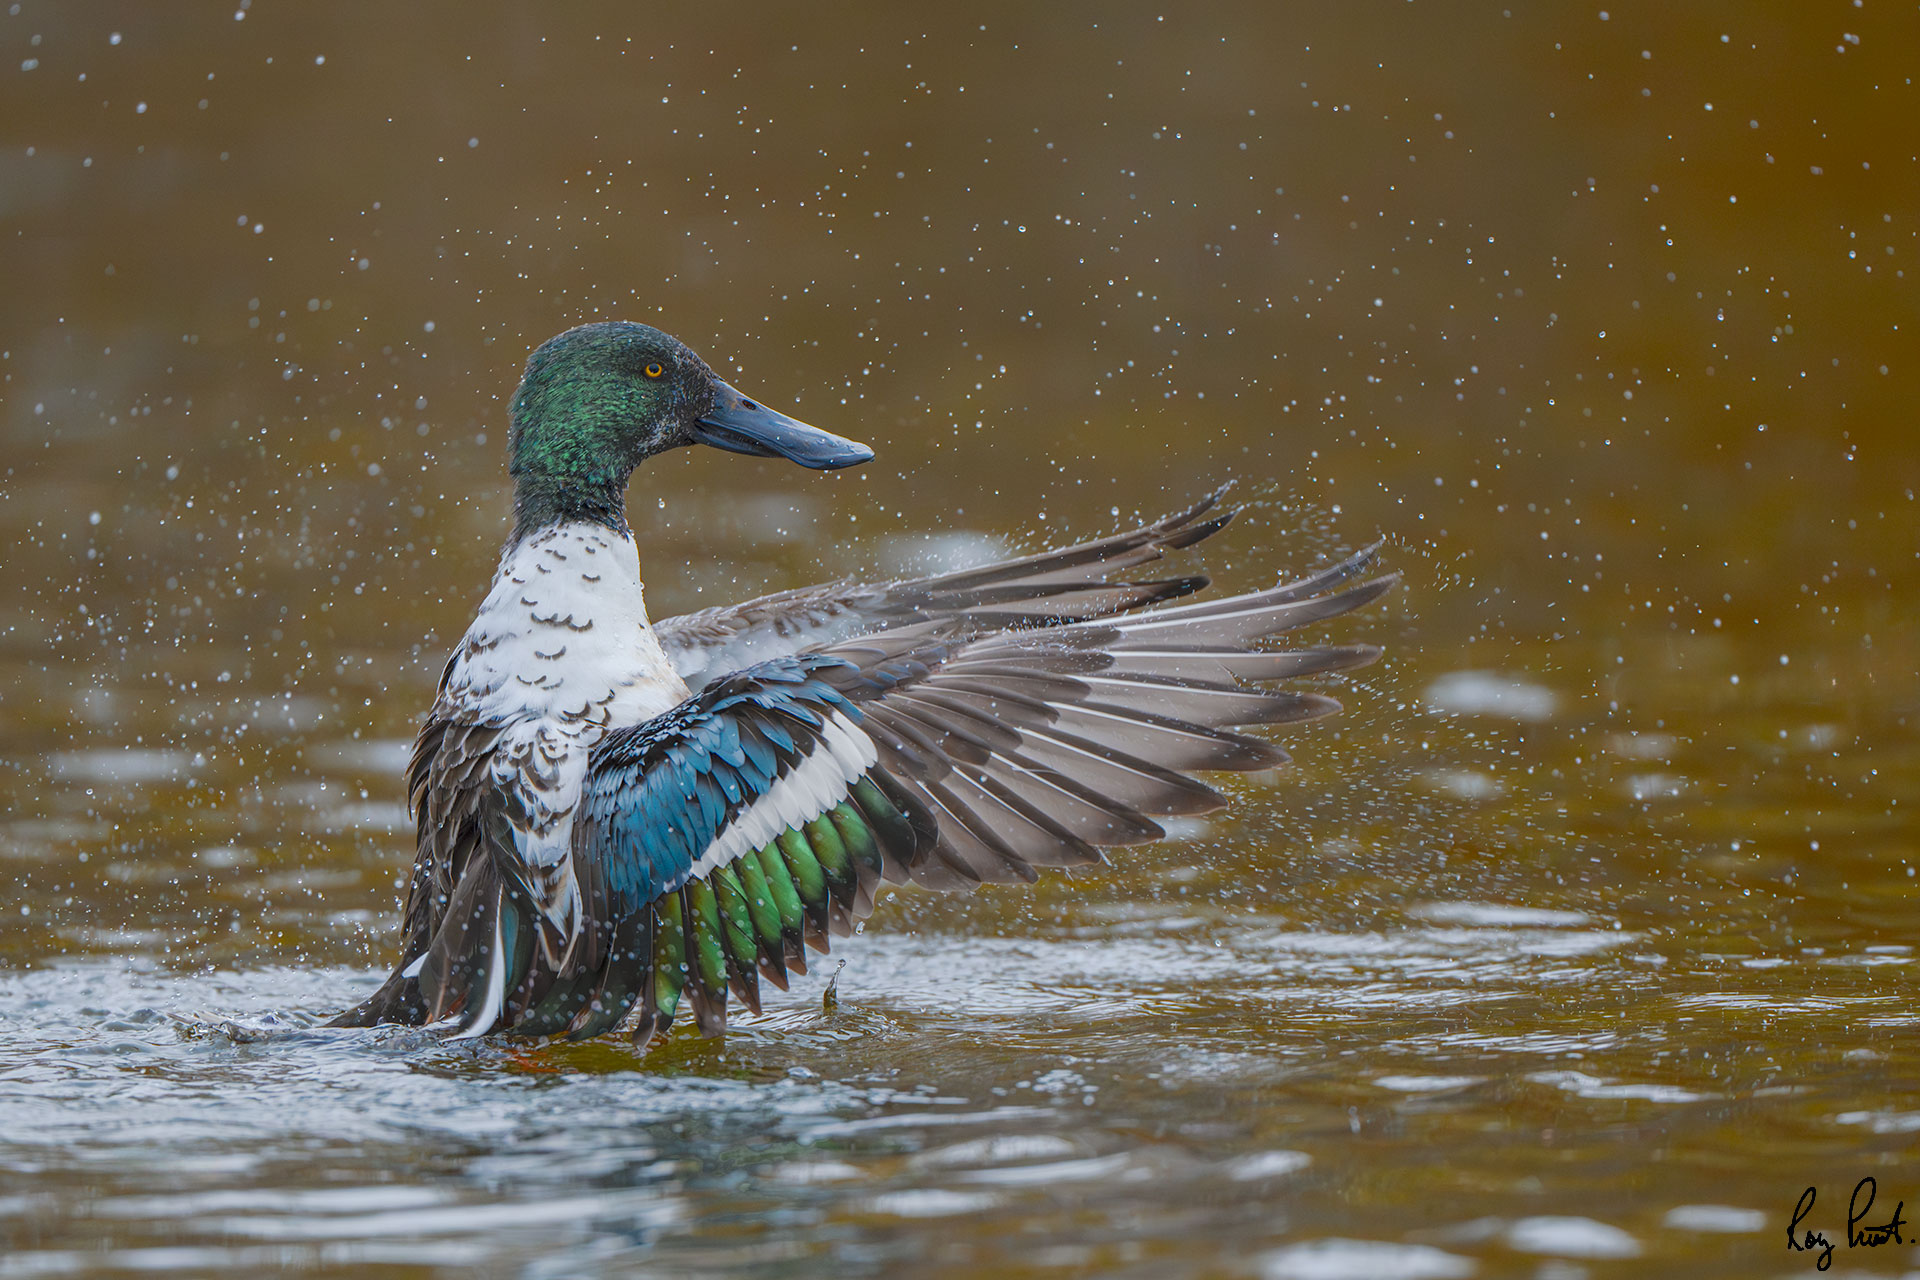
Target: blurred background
[[1579, 945]]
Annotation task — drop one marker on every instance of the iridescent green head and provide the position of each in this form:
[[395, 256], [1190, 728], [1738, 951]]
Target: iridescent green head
[[599, 400]]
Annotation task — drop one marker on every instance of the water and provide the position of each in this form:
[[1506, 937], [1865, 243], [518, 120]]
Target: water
[[1580, 945]]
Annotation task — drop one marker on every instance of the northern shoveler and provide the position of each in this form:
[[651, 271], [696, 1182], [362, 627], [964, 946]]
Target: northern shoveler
[[614, 813]]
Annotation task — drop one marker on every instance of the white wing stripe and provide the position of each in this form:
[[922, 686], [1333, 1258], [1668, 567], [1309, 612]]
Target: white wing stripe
[[842, 756]]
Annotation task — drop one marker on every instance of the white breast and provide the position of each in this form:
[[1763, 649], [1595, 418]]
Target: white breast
[[560, 653]]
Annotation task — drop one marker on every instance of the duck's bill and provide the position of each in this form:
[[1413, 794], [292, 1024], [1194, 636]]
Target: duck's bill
[[740, 425]]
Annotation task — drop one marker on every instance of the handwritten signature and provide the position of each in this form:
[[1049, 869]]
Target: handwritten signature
[[1859, 1234]]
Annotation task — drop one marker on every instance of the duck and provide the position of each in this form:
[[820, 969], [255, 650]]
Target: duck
[[623, 823]]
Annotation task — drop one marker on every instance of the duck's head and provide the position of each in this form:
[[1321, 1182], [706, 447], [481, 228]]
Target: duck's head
[[599, 400]]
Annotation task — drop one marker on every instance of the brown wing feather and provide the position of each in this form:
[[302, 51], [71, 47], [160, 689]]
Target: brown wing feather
[[1037, 747], [1071, 584]]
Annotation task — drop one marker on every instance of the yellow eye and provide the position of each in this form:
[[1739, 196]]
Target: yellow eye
[[654, 370]]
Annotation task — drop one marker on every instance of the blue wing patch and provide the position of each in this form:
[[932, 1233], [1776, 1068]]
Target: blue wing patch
[[659, 794]]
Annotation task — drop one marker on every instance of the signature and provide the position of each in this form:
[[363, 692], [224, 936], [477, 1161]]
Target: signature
[[1860, 1235]]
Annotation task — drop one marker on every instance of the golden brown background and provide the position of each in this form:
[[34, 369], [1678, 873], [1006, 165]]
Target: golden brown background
[[1581, 945]]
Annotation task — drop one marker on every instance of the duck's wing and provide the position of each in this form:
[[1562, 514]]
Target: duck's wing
[[717, 841], [1069, 585], [1036, 748], [462, 835]]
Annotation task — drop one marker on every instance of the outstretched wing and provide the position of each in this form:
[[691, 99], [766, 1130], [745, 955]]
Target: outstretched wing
[[1068, 585], [716, 842], [713, 843]]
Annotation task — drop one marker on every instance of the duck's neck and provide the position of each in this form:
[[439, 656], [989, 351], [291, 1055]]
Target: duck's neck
[[563, 636], [542, 500]]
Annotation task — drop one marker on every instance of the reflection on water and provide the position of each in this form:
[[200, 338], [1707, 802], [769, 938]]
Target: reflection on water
[[1579, 946]]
